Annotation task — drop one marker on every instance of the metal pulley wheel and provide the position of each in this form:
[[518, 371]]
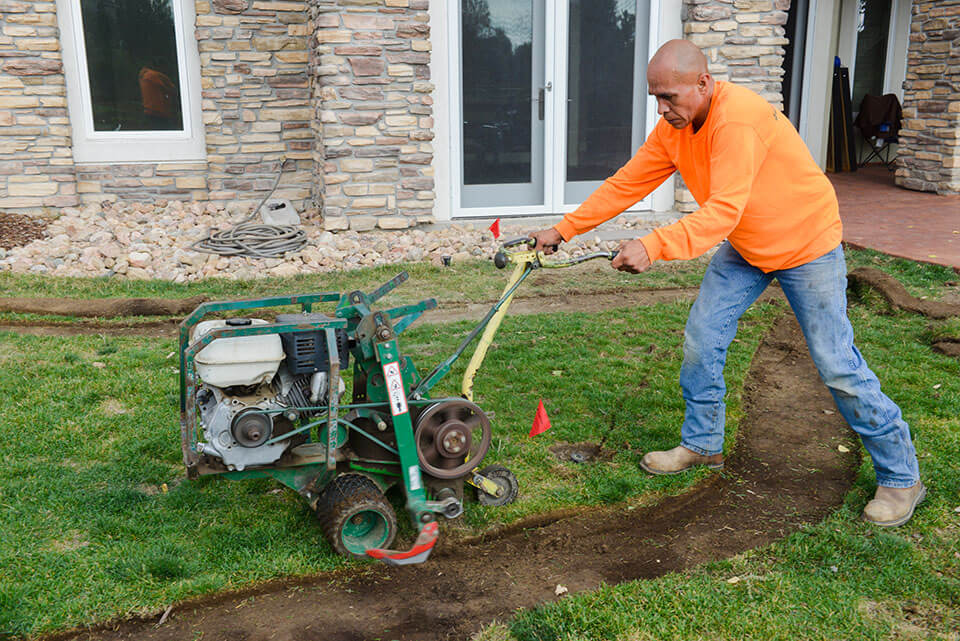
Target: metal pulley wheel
[[452, 438], [251, 427]]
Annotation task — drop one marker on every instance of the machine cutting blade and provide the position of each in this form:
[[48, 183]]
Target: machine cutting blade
[[417, 554]]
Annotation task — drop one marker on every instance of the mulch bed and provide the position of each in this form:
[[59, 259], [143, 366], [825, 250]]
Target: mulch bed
[[17, 230]]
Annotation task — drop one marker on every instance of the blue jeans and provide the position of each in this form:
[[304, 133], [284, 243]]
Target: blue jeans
[[817, 293]]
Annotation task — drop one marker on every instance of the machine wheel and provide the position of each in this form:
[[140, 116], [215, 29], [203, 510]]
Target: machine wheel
[[356, 516], [452, 438], [507, 482]]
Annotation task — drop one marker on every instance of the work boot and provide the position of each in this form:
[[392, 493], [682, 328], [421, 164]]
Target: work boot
[[677, 460], [893, 506]]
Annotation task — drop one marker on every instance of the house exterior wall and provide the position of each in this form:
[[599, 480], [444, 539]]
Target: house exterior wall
[[371, 62], [743, 42], [256, 101], [341, 91], [36, 165], [928, 158], [256, 98]]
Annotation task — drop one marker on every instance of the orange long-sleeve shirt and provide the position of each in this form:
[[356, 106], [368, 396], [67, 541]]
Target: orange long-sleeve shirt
[[754, 178]]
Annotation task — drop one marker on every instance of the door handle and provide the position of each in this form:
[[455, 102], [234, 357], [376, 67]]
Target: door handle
[[541, 99]]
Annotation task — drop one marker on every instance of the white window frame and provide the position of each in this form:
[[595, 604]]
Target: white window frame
[[448, 146], [106, 147]]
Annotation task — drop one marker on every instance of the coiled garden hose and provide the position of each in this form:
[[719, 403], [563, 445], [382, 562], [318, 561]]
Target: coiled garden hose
[[254, 240]]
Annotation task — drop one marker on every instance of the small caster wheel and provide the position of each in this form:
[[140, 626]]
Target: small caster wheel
[[356, 516], [507, 482]]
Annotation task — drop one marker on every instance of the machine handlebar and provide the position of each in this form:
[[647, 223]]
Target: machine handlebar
[[502, 258]]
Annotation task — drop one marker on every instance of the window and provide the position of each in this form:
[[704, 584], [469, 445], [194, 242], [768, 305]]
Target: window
[[133, 80]]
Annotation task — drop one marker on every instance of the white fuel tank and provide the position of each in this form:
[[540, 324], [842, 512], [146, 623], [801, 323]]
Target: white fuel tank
[[241, 360]]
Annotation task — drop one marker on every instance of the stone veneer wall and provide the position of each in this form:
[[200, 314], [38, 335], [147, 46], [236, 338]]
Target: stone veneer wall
[[256, 103], [36, 164], [256, 97], [928, 156], [743, 41], [375, 110]]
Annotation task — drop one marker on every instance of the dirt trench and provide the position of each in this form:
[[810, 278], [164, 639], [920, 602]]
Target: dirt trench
[[785, 471], [445, 313]]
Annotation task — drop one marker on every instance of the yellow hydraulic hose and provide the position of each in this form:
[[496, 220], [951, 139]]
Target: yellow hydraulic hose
[[488, 333]]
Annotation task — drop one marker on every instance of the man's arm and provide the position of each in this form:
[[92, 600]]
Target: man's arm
[[643, 173], [736, 157]]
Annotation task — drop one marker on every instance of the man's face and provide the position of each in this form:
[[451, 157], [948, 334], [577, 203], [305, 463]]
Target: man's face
[[679, 99]]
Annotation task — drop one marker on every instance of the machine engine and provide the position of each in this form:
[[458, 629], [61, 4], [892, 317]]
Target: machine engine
[[253, 388]]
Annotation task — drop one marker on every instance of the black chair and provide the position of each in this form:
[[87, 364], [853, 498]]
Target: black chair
[[879, 124]]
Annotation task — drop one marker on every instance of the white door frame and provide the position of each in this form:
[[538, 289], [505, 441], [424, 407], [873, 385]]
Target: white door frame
[[832, 31], [445, 68]]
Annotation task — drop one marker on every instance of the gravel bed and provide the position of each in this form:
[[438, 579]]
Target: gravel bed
[[153, 240]]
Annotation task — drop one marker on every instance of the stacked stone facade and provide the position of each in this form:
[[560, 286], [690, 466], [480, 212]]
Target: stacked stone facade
[[36, 163], [256, 104], [375, 112], [141, 182], [256, 97], [928, 157], [743, 41], [339, 93]]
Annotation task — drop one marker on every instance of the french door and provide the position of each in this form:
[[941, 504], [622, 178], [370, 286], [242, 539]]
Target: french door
[[549, 98]]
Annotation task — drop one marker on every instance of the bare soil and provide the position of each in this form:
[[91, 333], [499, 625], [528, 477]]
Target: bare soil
[[102, 307], [949, 347], [158, 328], [447, 312], [897, 296], [785, 471]]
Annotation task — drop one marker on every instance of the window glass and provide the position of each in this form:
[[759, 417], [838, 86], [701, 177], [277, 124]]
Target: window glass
[[131, 49]]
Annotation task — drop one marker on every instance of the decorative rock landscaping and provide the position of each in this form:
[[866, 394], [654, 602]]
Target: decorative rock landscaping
[[154, 240]]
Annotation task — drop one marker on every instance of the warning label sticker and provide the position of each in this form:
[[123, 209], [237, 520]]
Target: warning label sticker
[[398, 398], [414, 473]]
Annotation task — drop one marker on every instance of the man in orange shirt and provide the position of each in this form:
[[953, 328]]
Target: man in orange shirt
[[760, 189], [158, 94]]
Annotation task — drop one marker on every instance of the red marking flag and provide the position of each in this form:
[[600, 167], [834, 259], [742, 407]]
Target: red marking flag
[[541, 422], [495, 228]]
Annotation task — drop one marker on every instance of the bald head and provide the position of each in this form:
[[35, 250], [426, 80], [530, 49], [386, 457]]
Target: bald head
[[677, 75], [681, 58]]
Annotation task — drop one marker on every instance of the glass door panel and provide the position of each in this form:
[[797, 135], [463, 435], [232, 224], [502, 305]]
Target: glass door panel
[[606, 90], [502, 71]]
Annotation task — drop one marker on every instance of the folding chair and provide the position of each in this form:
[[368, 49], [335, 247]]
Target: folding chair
[[879, 124]]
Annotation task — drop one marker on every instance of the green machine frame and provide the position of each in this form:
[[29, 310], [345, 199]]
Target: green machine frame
[[391, 385]]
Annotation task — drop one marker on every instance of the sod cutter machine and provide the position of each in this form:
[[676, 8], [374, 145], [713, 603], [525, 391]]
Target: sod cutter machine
[[263, 399]]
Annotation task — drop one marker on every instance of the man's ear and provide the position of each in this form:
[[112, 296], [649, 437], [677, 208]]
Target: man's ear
[[703, 81]]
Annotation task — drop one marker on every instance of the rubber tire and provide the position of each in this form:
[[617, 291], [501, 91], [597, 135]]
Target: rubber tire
[[502, 477], [345, 497]]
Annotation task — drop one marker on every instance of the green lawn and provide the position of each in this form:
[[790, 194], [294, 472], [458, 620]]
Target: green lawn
[[840, 579], [97, 521]]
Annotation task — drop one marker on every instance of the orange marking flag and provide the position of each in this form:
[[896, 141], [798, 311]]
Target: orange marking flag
[[495, 228], [541, 422]]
